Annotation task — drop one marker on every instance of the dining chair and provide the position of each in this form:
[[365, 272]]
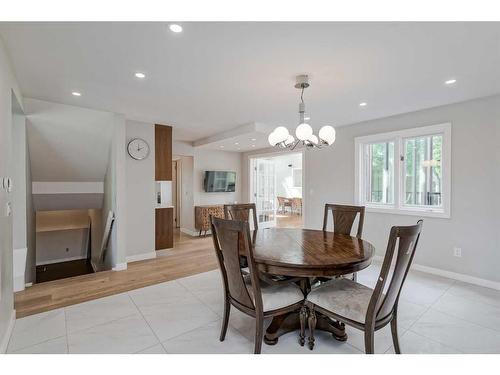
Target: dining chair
[[297, 205], [361, 307], [344, 217], [242, 212], [248, 293], [283, 203], [343, 220]]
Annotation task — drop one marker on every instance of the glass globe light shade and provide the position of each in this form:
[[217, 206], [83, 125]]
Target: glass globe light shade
[[289, 140], [281, 134], [327, 134], [273, 140], [303, 132], [313, 139]]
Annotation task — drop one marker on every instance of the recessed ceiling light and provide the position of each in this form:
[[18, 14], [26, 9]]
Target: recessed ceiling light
[[76, 93], [253, 145], [175, 28], [221, 146], [236, 143], [450, 81], [140, 75], [363, 104], [254, 139]]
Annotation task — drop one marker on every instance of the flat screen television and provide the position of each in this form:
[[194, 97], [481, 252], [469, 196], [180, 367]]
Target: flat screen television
[[219, 181]]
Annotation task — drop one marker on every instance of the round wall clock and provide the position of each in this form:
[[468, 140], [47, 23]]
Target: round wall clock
[[138, 149]]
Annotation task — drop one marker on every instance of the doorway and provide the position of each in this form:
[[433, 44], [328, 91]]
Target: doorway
[[276, 189], [176, 190]]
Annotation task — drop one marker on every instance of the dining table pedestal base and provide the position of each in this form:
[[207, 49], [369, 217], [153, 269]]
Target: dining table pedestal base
[[289, 322]]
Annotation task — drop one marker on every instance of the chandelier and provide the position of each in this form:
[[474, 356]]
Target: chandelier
[[281, 138]]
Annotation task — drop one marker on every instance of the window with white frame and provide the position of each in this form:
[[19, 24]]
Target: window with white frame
[[407, 171]]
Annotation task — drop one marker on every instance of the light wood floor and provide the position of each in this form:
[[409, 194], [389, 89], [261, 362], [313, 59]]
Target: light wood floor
[[190, 255], [288, 220]]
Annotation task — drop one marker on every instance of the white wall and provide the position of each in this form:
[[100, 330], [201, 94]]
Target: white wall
[[61, 246], [19, 182], [208, 160], [30, 270], [140, 205], [115, 197], [186, 164], [62, 235], [67, 143], [204, 160], [8, 84], [475, 202]]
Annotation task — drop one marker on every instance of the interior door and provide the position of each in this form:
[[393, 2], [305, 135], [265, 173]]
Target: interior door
[[264, 191], [174, 193]]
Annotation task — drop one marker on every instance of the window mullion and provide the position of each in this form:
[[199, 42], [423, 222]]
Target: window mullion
[[397, 168]]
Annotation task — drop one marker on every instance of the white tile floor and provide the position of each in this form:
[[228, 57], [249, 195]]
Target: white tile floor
[[436, 315]]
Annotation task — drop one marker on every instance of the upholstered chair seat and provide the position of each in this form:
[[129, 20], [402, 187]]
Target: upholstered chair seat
[[361, 307], [346, 297], [276, 296]]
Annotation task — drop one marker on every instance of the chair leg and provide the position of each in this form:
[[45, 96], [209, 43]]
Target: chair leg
[[303, 317], [369, 341], [259, 320], [312, 326], [394, 331], [225, 321], [354, 276]]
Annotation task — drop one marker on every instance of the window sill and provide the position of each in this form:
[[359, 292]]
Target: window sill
[[409, 211]]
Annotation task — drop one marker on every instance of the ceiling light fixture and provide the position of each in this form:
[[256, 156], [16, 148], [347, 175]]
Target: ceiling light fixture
[[140, 75], [175, 28], [236, 143], [254, 139], [253, 145], [450, 81], [76, 93], [281, 138], [363, 104], [221, 146]]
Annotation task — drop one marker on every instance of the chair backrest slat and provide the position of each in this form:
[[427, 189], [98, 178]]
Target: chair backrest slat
[[344, 217], [401, 247], [227, 236], [241, 212]]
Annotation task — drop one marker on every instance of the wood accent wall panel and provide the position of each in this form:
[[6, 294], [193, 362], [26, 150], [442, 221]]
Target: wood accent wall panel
[[163, 153], [164, 230]]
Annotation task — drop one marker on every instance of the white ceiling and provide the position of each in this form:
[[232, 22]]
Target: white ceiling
[[215, 76], [67, 143], [247, 137]]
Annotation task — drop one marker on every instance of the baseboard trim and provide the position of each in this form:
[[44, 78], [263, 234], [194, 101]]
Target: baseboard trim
[[194, 233], [119, 267], [451, 275], [5, 339], [143, 256]]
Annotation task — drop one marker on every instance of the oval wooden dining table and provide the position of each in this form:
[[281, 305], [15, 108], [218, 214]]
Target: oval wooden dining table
[[308, 254]]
